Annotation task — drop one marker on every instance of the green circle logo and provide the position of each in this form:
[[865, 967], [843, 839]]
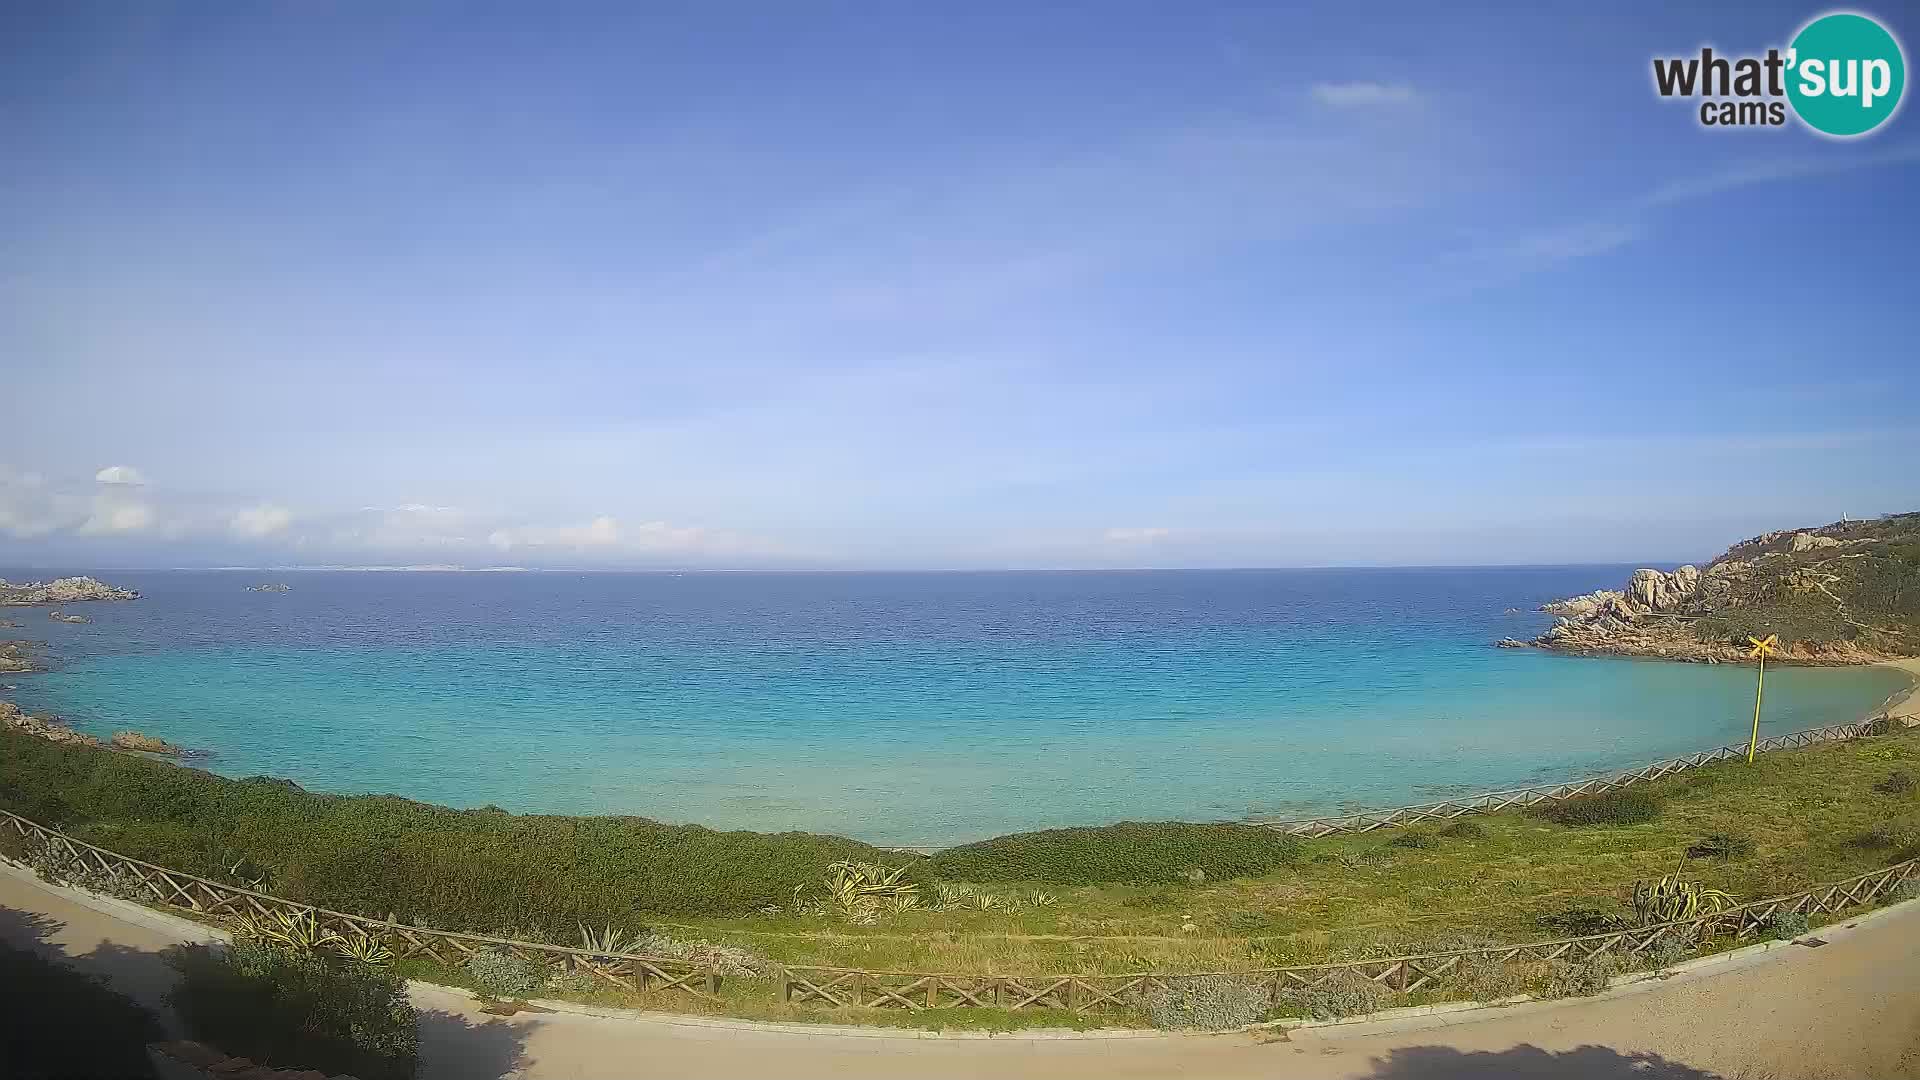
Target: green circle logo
[[1845, 74]]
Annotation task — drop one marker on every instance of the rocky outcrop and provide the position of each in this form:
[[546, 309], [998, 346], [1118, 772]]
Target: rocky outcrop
[[41, 727], [272, 586], [13, 657], [1827, 606], [61, 616], [146, 744], [67, 590]]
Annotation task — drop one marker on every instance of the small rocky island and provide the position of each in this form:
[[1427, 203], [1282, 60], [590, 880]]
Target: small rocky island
[[1846, 593], [272, 586], [13, 656], [60, 616], [68, 590]]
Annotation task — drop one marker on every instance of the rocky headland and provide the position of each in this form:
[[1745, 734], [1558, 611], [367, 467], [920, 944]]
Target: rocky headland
[[67, 590], [13, 718], [1846, 593], [55, 730]]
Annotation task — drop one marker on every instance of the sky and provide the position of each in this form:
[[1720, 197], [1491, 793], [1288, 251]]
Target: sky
[[870, 286]]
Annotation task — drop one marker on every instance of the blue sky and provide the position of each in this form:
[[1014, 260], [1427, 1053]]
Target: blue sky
[[826, 285]]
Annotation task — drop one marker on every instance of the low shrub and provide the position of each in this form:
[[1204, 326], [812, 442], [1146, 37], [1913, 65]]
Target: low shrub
[[1566, 978], [61, 867], [1342, 994], [1484, 978], [1623, 806], [1413, 838], [505, 975], [1131, 853], [1584, 920], [297, 1010], [1785, 925], [1668, 951], [1208, 1003], [1464, 829], [567, 980], [1721, 846], [1898, 782], [61, 1022], [1905, 890], [725, 959], [463, 870], [1891, 834]]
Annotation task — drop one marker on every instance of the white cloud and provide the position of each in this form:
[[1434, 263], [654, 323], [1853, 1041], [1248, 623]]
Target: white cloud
[[116, 515], [601, 532], [1137, 535], [1364, 94], [119, 474], [266, 519]]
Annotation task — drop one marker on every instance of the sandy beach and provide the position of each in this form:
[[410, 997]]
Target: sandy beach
[[1906, 704]]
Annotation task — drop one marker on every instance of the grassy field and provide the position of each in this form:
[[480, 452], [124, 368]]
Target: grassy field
[[1122, 898]]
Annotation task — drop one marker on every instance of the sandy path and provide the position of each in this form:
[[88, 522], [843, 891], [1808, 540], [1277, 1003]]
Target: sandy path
[[1848, 1009]]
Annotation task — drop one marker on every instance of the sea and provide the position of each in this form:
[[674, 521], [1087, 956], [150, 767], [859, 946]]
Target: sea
[[908, 709]]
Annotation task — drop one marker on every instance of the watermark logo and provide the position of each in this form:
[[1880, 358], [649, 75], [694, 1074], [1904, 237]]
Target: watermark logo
[[1843, 75]]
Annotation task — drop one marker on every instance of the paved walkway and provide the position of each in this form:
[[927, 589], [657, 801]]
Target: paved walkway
[[1849, 1009]]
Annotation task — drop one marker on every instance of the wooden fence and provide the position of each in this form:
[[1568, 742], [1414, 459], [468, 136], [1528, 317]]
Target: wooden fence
[[1080, 994], [172, 888], [1492, 802], [916, 990]]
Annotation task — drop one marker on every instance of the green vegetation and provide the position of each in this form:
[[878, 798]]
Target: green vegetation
[[1130, 853], [1862, 589], [1622, 806], [60, 1022], [297, 1009], [1127, 898], [1722, 846], [470, 870]]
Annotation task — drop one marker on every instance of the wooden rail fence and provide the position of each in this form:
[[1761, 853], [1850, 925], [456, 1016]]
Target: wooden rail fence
[[1080, 994], [1492, 802]]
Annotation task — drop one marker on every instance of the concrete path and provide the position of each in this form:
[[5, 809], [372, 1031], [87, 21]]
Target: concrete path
[[1848, 1009]]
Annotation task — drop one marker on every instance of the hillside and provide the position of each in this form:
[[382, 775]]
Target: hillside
[[1846, 593]]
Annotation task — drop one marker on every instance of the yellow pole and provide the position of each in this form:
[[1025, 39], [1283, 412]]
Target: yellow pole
[[1759, 689]]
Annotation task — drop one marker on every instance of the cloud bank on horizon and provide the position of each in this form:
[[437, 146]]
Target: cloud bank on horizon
[[1214, 287]]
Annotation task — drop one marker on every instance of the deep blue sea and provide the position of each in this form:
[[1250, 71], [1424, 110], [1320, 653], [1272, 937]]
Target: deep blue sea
[[911, 708]]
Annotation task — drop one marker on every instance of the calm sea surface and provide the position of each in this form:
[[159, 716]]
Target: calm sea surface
[[919, 709]]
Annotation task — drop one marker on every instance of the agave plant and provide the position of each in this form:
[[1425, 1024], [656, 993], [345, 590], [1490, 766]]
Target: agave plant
[[1674, 898], [362, 945], [859, 888], [299, 930], [608, 941]]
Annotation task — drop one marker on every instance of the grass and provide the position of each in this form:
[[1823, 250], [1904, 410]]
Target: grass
[[1812, 815]]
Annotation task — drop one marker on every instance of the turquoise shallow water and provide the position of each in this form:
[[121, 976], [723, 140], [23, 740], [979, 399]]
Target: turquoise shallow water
[[918, 709]]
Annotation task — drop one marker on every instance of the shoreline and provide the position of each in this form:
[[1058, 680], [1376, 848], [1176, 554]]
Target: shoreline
[[1905, 705]]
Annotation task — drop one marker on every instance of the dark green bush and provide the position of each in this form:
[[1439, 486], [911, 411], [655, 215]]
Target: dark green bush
[[1623, 806], [1721, 846], [1463, 829], [1413, 838], [1128, 853], [297, 1010], [1784, 925], [457, 870], [60, 1022], [1898, 782], [1584, 920]]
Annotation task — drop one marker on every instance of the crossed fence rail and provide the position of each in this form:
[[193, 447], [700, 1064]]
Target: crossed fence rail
[[1079, 994], [1492, 802]]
